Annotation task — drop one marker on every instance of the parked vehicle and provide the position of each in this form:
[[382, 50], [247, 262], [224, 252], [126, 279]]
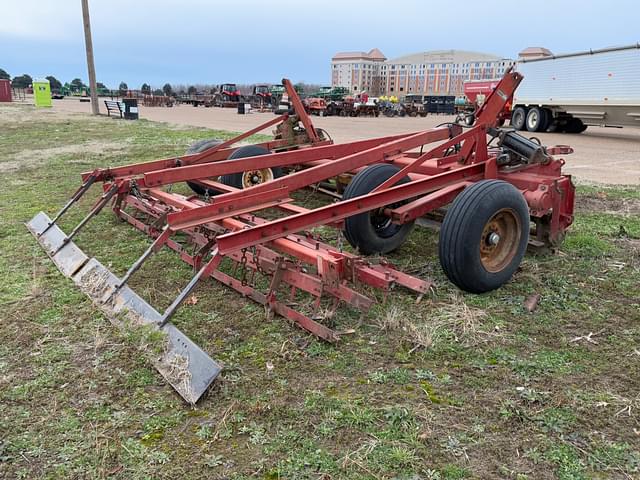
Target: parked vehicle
[[227, 95], [414, 105], [570, 92], [331, 93], [261, 96], [315, 106]]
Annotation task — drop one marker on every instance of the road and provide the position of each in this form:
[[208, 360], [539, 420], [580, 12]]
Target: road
[[601, 155]]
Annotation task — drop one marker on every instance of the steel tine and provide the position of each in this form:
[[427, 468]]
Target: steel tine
[[154, 247], [94, 211], [76, 196], [206, 270]]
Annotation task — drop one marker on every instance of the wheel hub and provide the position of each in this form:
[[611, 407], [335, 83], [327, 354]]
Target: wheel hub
[[499, 241], [256, 177]]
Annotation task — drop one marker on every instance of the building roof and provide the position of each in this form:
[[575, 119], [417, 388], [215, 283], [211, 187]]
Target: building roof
[[445, 56], [531, 52], [373, 54]]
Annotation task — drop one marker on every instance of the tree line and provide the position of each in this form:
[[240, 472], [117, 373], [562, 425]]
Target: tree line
[[25, 80]]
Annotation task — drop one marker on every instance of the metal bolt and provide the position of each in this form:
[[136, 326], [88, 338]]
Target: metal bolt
[[494, 238]]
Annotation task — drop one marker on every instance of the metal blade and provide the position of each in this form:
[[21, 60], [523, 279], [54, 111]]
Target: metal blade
[[70, 258], [181, 362]]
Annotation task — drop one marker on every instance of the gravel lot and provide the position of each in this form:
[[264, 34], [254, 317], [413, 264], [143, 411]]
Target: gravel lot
[[602, 155]]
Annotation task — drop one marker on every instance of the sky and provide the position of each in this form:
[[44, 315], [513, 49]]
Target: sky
[[252, 41]]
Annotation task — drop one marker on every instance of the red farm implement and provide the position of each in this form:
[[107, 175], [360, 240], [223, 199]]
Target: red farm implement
[[503, 191]]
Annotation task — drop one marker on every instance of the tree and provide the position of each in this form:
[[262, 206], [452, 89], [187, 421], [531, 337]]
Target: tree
[[191, 90], [167, 89], [145, 88], [77, 84], [4, 75], [123, 87], [157, 92], [22, 81], [100, 85], [55, 84]]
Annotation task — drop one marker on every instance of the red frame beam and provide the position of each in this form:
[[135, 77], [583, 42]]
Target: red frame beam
[[346, 208]]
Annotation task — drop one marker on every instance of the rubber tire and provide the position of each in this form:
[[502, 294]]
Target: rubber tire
[[575, 125], [518, 118], [235, 179], [543, 120], [198, 147], [358, 229], [461, 234], [470, 119]]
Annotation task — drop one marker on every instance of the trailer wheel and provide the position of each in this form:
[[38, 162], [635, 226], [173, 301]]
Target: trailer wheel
[[251, 177], [198, 147], [373, 232], [537, 120], [518, 118], [575, 125], [484, 236]]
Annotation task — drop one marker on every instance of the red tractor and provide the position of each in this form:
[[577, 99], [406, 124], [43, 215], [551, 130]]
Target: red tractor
[[228, 95], [262, 96]]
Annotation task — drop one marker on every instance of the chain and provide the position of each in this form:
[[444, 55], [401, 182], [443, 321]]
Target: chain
[[206, 195], [256, 261], [243, 265], [135, 191], [339, 241]]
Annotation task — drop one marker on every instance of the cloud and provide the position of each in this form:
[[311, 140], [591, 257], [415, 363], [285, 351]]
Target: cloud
[[51, 20]]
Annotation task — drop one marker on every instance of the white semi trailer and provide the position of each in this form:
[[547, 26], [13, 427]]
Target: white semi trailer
[[569, 92]]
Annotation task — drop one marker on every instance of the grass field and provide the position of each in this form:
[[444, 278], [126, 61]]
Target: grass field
[[458, 386]]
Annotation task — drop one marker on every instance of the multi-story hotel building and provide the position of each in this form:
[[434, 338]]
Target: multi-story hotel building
[[440, 72], [358, 71]]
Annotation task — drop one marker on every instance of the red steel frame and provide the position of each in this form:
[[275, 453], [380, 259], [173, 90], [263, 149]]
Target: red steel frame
[[284, 250]]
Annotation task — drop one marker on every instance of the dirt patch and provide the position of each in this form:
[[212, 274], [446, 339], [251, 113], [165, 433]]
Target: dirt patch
[[33, 158], [602, 203], [25, 113]]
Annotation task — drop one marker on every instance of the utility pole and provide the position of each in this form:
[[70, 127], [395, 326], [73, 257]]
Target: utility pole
[[90, 66]]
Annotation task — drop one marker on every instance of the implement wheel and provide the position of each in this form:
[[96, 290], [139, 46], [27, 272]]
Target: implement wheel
[[484, 236], [198, 147], [373, 232], [250, 177]]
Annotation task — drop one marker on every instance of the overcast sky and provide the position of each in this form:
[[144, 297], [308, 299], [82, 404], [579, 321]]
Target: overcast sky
[[248, 41]]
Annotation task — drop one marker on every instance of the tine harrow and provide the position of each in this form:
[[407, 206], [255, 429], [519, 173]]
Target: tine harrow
[[233, 238]]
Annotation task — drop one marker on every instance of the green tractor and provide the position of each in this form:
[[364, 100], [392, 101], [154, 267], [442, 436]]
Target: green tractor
[[332, 93]]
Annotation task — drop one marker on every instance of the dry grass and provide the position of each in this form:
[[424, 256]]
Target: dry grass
[[453, 320]]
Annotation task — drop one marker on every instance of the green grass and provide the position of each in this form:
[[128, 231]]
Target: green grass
[[456, 387]]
